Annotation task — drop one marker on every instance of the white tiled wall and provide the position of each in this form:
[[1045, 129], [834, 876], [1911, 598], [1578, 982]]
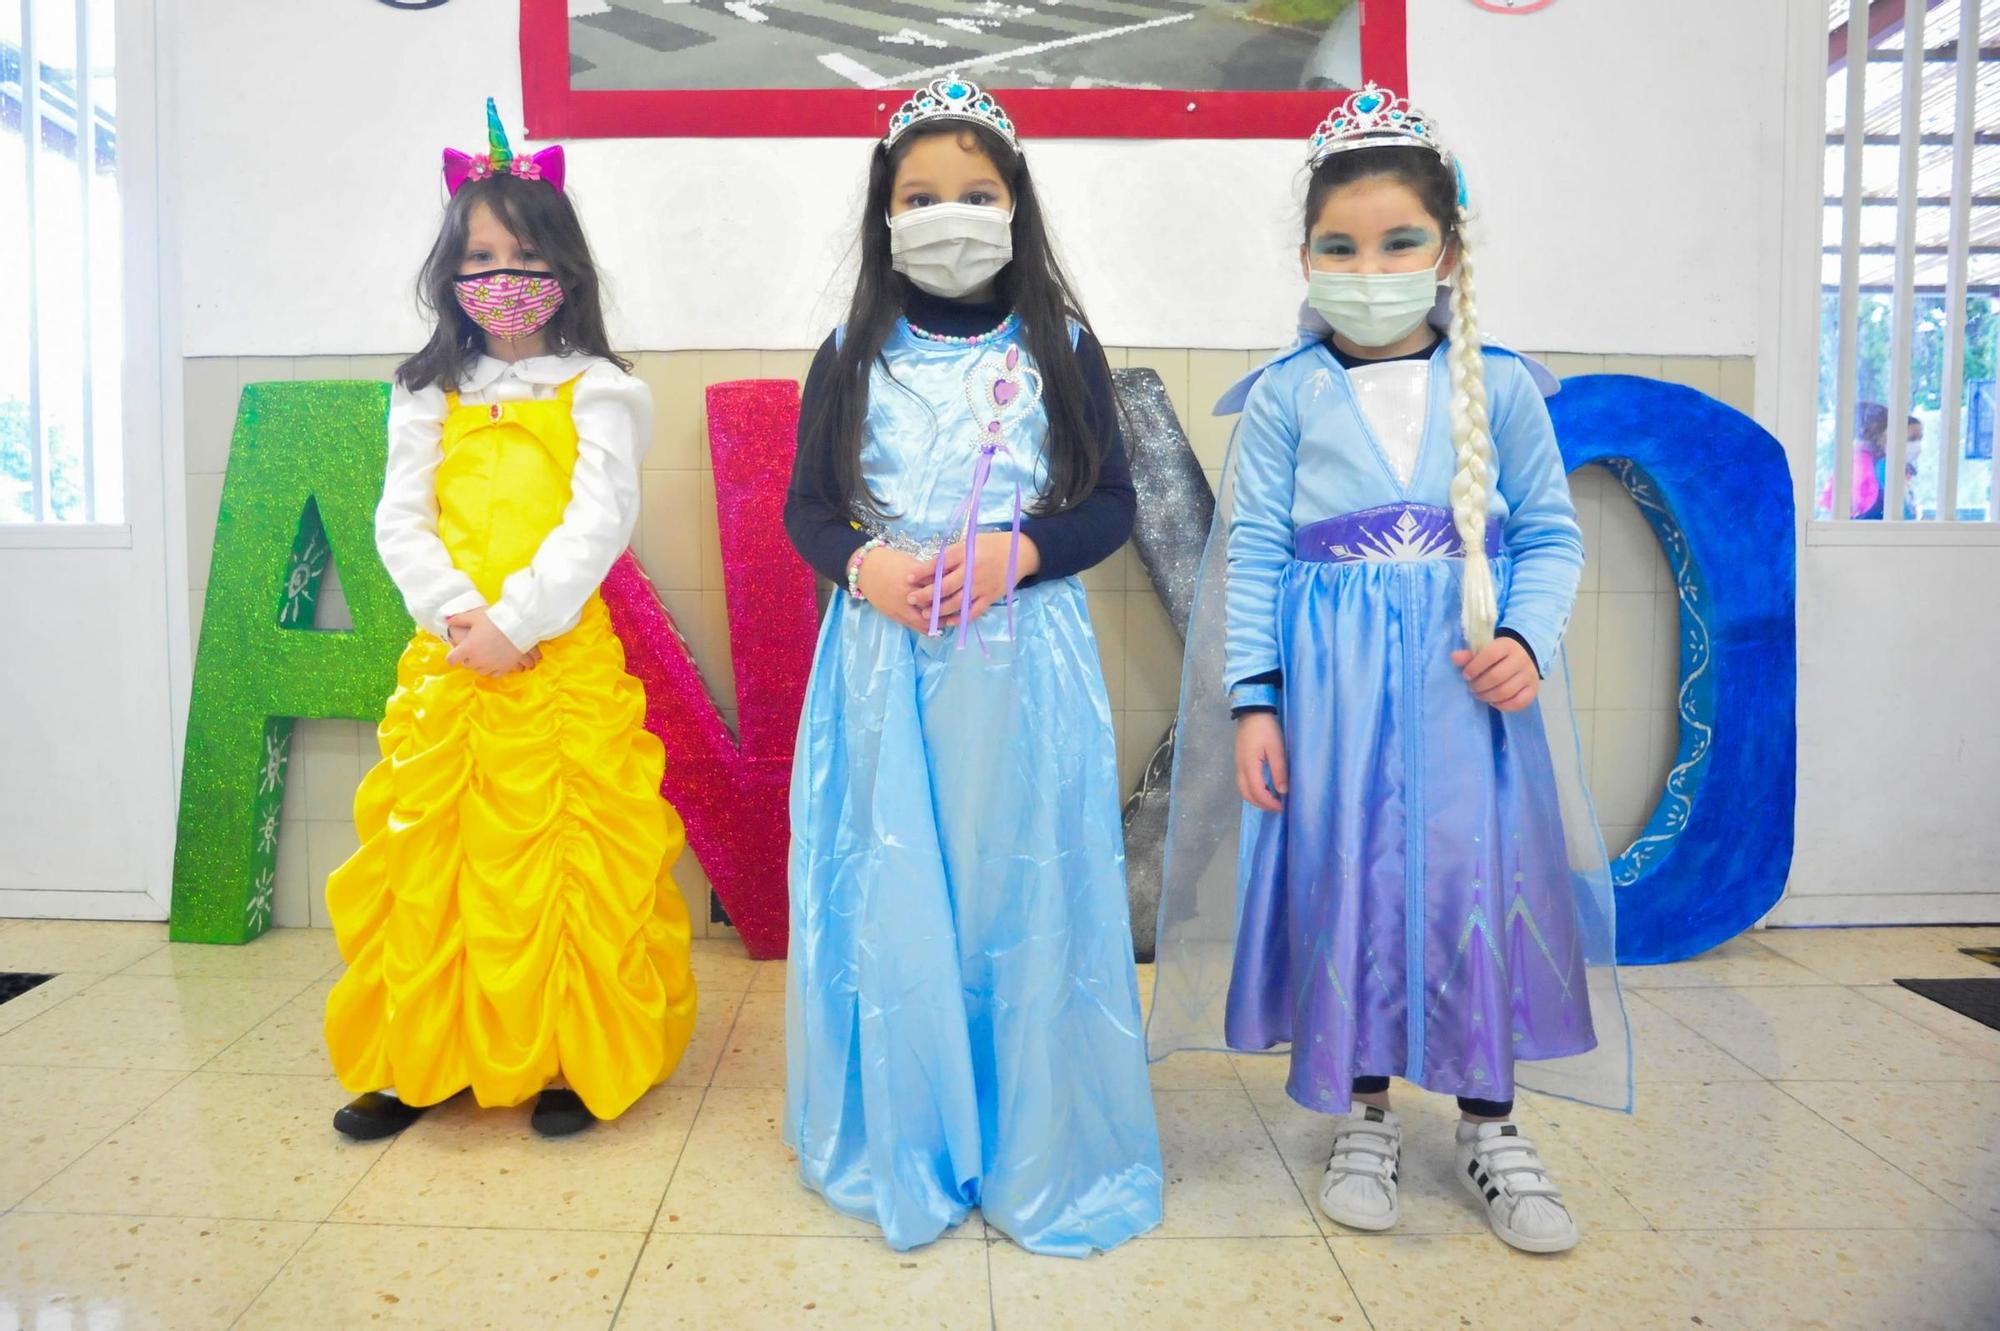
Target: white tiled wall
[[1621, 641]]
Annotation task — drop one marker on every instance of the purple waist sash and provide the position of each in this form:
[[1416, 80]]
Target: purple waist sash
[[1393, 534]]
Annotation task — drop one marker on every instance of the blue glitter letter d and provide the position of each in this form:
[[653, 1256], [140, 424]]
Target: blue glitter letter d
[[1715, 488]]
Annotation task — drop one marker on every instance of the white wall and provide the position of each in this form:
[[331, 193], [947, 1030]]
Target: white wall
[[1619, 217], [86, 763], [1899, 768]]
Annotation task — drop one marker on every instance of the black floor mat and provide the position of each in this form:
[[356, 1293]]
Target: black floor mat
[[15, 983], [1989, 955], [1977, 999]]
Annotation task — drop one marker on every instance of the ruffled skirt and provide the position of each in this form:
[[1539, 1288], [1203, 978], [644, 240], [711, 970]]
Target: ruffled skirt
[[511, 916]]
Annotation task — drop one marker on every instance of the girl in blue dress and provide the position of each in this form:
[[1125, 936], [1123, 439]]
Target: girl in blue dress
[[1406, 878], [962, 1015]]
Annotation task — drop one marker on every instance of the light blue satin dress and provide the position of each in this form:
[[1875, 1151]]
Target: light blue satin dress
[[962, 1014]]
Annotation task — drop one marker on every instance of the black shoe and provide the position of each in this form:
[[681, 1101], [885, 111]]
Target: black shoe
[[560, 1113], [373, 1116]]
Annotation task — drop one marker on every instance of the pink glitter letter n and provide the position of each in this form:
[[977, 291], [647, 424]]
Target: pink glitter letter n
[[733, 794]]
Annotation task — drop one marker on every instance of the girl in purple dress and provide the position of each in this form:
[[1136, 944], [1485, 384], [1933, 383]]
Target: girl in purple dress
[[1410, 889]]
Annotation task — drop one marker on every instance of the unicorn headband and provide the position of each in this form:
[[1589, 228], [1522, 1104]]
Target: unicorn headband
[[501, 160], [1378, 118]]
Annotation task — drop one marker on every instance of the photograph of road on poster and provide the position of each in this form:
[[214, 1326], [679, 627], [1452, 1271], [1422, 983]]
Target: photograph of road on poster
[[1215, 45]]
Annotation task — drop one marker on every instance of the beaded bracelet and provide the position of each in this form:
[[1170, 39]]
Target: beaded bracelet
[[854, 566]]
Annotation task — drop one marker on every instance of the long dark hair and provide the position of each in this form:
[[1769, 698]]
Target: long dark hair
[[536, 215], [1033, 285]]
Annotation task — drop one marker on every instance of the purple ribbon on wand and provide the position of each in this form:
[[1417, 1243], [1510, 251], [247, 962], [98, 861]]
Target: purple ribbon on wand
[[1005, 388], [967, 522]]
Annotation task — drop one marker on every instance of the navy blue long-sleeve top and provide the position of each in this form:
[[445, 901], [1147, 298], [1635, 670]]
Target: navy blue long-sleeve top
[[1069, 541]]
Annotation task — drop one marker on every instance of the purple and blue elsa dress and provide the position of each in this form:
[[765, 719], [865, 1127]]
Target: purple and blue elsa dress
[[1433, 902]]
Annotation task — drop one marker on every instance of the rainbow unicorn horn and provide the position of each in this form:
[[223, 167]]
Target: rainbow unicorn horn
[[496, 140], [500, 159]]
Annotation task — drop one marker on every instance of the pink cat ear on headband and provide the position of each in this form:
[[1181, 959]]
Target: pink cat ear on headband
[[546, 165]]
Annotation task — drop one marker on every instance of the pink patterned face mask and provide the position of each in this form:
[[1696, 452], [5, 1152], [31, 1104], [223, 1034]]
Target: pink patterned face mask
[[509, 302]]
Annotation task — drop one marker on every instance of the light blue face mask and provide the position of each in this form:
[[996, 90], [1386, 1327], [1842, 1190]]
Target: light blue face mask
[[1374, 309]]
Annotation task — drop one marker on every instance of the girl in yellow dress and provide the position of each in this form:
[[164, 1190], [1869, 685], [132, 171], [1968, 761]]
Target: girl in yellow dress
[[510, 923]]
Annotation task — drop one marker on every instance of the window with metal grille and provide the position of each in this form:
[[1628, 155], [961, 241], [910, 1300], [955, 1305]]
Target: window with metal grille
[[1910, 296], [60, 314]]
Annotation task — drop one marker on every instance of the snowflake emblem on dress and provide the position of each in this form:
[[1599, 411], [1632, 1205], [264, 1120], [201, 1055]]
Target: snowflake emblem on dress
[[276, 755], [1406, 543], [1321, 380], [267, 832], [302, 577], [259, 913]]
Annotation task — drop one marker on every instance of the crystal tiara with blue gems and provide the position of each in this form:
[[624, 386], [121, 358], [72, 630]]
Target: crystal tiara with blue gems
[[1374, 118], [951, 99]]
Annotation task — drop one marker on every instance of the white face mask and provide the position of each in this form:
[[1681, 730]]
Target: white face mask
[[951, 249], [1374, 309]]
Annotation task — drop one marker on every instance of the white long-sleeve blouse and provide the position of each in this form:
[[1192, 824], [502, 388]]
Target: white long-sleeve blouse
[[613, 412]]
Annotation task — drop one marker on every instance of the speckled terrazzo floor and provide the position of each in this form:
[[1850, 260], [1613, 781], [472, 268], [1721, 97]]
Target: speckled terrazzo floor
[[1814, 1147]]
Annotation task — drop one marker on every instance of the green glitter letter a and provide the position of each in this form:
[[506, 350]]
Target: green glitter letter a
[[305, 469]]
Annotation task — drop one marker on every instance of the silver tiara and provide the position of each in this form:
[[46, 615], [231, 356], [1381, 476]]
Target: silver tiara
[[951, 99], [1374, 118]]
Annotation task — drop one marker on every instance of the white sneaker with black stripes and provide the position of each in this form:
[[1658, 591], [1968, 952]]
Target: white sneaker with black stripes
[[1504, 1171], [1359, 1187]]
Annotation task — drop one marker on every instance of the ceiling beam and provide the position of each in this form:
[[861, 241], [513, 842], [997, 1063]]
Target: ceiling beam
[[1884, 17], [1886, 251], [1985, 138], [1936, 55], [1923, 201]]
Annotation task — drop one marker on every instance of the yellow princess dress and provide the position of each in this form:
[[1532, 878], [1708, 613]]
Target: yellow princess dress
[[510, 917]]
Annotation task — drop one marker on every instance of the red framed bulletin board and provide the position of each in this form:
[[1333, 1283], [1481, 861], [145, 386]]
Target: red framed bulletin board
[[878, 65]]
